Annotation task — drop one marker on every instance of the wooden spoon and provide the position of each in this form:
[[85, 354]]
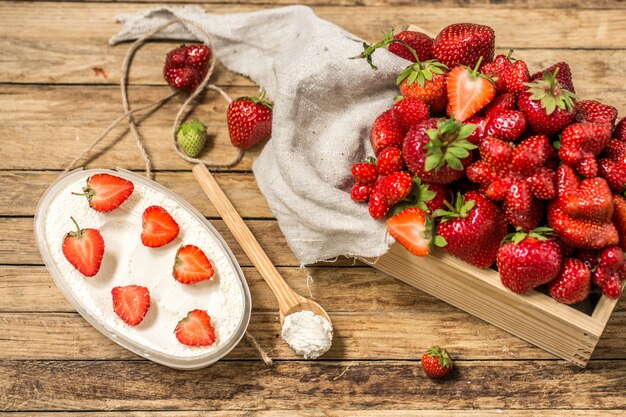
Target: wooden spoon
[[288, 300]]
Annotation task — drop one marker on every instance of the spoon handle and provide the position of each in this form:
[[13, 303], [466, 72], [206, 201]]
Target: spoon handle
[[284, 294]]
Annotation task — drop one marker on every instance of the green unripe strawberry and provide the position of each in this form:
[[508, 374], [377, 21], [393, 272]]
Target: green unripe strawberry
[[191, 137]]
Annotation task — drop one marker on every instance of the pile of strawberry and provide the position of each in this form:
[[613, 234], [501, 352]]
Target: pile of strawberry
[[498, 166], [84, 249]]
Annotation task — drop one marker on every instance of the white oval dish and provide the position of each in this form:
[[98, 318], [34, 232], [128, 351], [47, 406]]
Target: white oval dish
[[126, 261]]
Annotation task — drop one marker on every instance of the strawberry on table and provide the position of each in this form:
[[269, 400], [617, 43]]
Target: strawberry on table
[[249, 121], [437, 363], [528, 260], [186, 66], [468, 91], [159, 227], [386, 131], [191, 137], [438, 151], [412, 229], [84, 249], [573, 284], [389, 161], [106, 192], [131, 303], [421, 43], [471, 229], [464, 44], [195, 329], [581, 143], [192, 265], [410, 111]]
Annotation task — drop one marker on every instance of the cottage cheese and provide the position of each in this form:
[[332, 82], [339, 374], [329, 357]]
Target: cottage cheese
[[307, 334], [126, 261]]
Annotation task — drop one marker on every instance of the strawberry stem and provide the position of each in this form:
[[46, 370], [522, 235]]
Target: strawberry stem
[[79, 231], [475, 70]]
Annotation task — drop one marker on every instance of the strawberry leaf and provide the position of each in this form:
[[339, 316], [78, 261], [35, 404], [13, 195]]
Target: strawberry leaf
[[440, 241]]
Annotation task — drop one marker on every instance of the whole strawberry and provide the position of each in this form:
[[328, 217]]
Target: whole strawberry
[[410, 111], [573, 284], [365, 172], [361, 192], [249, 121], [581, 143], [509, 74], [609, 272], [613, 167], [506, 124], [421, 43], [464, 44], [438, 151], [186, 66], [506, 101], [564, 76], [472, 229], [548, 106], [528, 260], [437, 363], [425, 81], [620, 130], [191, 137], [591, 111], [395, 187], [377, 204], [426, 197], [389, 161], [386, 131], [619, 218]]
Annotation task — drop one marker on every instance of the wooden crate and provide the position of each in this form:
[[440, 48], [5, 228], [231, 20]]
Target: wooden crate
[[534, 316]]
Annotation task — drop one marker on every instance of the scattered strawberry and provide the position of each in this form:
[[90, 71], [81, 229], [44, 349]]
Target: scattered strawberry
[[472, 229], [365, 172], [421, 43], [591, 111], [386, 131], [547, 105], [506, 124], [186, 66], [159, 228], [409, 112], [412, 229], [619, 218], [468, 91], [581, 143], [106, 192], [437, 151], [389, 161], [564, 76], [195, 329], [131, 303], [361, 192], [192, 265], [84, 249], [528, 260], [249, 121], [191, 137], [573, 284], [506, 101], [437, 363], [613, 167], [395, 187], [464, 44]]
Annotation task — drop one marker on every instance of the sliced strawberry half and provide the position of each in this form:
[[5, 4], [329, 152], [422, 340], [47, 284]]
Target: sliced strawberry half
[[131, 303], [106, 192], [195, 329], [468, 91], [192, 265], [84, 249], [411, 229], [159, 227]]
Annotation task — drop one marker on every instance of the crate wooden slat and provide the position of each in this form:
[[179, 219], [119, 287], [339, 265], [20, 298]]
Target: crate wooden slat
[[534, 316]]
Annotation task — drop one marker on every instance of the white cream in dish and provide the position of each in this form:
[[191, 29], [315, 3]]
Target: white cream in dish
[[126, 261]]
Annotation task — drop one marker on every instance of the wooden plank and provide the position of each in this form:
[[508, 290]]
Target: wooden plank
[[20, 191], [340, 413], [35, 385], [50, 118]]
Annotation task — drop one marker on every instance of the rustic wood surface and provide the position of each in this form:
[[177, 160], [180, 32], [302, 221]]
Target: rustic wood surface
[[52, 363]]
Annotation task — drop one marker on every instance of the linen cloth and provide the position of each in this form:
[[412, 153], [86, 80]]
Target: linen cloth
[[324, 106]]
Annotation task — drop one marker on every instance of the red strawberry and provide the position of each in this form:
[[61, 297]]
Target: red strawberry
[[386, 131], [249, 121], [514, 77], [365, 172], [495, 68], [613, 167], [195, 329], [547, 105], [361, 192], [589, 199], [527, 219], [425, 81], [619, 218], [612, 288], [468, 92], [84, 249], [390, 161], [506, 101], [159, 228], [591, 111], [581, 233], [588, 257], [395, 187], [506, 124], [437, 363], [609, 272], [378, 206], [426, 197], [464, 44], [442, 194], [573, 284], [421, 43], [620, 130], [581, 143], [479, 132], [185, 67], [472, 230], [437, 151], [411, 229], [131, 303], [192, 265], [410, 111], [564, 76], [529, 260], [106, 192]]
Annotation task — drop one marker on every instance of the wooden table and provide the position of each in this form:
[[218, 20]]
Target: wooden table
[[55, 100]]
